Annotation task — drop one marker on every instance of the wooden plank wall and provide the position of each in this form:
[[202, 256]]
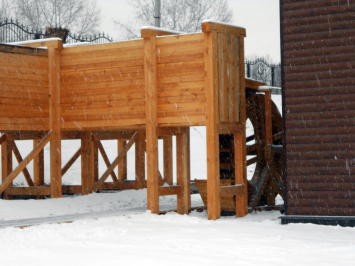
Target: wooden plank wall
[[24, 91], [103, 86], [181, 80], [228, 77], [319, 77]]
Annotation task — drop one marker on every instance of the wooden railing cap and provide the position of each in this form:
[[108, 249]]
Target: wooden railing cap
[[210, 25], [148, 31]]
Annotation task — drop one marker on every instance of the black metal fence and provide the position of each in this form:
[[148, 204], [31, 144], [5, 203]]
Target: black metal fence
[[264, 72], [13, 31]]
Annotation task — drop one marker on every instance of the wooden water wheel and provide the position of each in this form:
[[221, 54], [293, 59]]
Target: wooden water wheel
[[260, 193]]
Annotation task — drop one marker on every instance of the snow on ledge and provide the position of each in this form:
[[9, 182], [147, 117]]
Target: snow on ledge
[[35, 41], [222, 23], [161, 29], [268, 88], [67, 45]]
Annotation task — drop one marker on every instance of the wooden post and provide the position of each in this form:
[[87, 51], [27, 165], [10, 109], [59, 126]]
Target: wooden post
[[140, 160], [212, 137], [122, 166], [6, 162], [183, 176], [150, 71], [54, 48], [168, 159], [38, 166], [87, 163], [240, 143], [96, 161]]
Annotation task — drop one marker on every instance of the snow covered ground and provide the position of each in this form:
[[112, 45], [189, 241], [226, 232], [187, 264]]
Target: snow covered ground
[[133, 236]]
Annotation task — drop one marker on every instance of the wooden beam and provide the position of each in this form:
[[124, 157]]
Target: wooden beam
[[25, 162], [170, 131], [14, 49], [231, 190], [208, 27], [169, 190], [122, 166], [168, 159], [96, 161], [118, 185], [29, 191], [140, 160], [87, 163], [19, 160], [240, 151], [149, 33], [6, 163], [183, 176], [101, 181], [151, 103], [2, 138], [71, 161], [106, 160], [212, 137], [38, 166], [54, 48], [107, 135], [230, 128]]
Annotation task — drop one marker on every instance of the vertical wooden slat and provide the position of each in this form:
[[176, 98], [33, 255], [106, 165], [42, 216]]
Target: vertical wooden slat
[[182, 173], [38, 166], [240, 143], [96, 161], [188, 166], [237, 74], [87, 163], [168, 159], [221, 103], [140, 159], [150, 71], [54, 115], [6, 163], [226, 77], [212, 137], [232, 97], [122, 166]]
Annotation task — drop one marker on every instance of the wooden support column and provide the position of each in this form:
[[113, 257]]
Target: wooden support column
[[96, 161], [54, 48], [140, 159], [168, 159], [212, 136], [239, 141], [150, 71], [122, 166], [6, 163], [87, 163], [183, 175], [38, 166]]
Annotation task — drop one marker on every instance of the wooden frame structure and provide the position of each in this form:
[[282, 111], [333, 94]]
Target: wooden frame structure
[[136, 91]]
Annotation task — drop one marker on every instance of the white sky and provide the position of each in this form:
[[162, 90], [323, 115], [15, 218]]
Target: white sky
[[259, 17]]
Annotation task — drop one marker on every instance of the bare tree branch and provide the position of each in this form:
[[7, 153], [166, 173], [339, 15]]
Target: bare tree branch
[[179, 15]]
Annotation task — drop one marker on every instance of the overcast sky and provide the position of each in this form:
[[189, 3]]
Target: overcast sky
[[259, 17]]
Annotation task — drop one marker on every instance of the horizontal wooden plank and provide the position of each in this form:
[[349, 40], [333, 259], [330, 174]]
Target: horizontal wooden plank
[[330, 74], [320, 171], [181, 79], [23, 70], [173, 114], [101, 85], [20, 50], [118, 185], [299, 5], [104, 91], [319, 139], [104, 104], [294, 93], [321, 195], [103, 46], [331, 107], [40, 102], [321, 163], [330, 26], [104, 111], [170, 190], [128, 62], [31, 121], [319, 51], [319, 35], [180, 72], [22, 88], [181, 85], [181, 93], [23, 58], [320, 83], [320, 116], [318, 60], [24, 82], [23, 95], [89, 74], [180, 58], [102, 124], [98, 117], [321, 179], [322, 147], [181, 106], [319, 11], [320, 187], [183, 120], [174, 51], [321, 155], [18, 108], [320, 123], [182, 99], [20, 127], [319, 43], [180, 39], [101, 98], [181, 65]]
